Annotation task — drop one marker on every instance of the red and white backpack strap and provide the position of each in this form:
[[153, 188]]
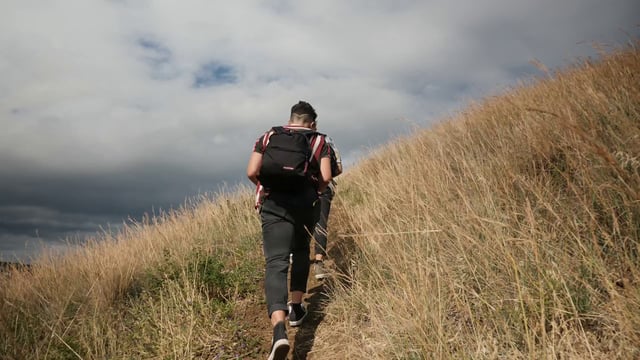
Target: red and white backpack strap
[[316, 147], [265, 138]]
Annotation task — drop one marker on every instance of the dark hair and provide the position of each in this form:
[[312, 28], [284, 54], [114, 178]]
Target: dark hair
[[304, 108]]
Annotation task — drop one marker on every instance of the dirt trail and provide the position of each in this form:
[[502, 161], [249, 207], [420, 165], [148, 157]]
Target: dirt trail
[[305, 335], [301, 338]]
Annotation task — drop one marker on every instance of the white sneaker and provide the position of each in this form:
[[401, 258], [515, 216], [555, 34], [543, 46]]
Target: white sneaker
[[280, 343]]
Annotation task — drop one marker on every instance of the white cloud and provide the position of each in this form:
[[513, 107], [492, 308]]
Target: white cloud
[[80, 88], [99, 87]]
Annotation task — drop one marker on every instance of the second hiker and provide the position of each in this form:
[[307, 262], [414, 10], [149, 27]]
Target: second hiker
[[320, 231]]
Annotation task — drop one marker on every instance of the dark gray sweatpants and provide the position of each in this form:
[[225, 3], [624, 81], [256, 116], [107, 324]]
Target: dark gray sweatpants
[[322, 216], [286, 229]]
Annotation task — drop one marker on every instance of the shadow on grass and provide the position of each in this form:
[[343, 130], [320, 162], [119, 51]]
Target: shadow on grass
[[306, 334], [342, 254]]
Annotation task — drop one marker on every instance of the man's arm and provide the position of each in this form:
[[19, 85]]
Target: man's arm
[[325, 173], [253, 168]]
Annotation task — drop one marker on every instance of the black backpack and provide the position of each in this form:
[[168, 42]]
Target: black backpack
[[287, 157]]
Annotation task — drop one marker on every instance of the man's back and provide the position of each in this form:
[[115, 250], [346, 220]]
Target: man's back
[[300, 149]]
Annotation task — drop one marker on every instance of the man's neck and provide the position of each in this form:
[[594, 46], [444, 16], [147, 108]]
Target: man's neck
[[298, 126]]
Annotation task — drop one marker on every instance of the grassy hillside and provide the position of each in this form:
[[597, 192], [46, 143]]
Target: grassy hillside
[[508, 231], [174, 286], [534, 201]]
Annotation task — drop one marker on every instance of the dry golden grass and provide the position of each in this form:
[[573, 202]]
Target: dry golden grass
[[533, 197], [145, 293], [508, 231]]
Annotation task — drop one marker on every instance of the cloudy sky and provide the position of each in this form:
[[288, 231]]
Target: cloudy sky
[[110, 109]]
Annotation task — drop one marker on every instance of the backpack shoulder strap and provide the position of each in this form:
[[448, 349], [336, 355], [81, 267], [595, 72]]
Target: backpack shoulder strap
[[317, 143], [267, 135]]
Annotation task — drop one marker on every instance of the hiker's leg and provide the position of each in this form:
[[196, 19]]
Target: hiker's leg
[[278, 233], [320, 229], [300, 260]]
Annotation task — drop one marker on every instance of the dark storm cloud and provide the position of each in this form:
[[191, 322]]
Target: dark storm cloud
[[50, 210], [126, 191], [32, 220]]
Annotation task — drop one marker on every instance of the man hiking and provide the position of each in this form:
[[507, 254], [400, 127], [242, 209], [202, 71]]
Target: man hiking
[[290, 165], [320, 230]]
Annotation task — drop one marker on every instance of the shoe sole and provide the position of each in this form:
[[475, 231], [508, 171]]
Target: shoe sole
[[280, 350]]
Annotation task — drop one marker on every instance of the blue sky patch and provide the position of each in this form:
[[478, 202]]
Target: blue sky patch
[[155, 52], [213, 74], [158, 57]]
